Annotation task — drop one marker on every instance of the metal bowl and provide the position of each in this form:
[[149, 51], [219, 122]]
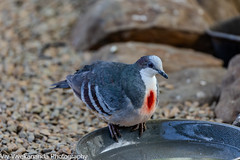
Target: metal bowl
[[165, 139], [226, 39]]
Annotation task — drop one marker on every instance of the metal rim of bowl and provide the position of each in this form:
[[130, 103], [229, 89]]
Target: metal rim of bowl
[[84, 138], [223, 35]]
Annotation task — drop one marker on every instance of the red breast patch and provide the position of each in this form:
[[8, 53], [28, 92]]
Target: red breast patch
[[149, 103], [150, 100]]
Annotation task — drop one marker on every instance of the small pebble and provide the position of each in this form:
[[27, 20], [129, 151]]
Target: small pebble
[[37, 110], [22, 134], [46, 150], [19, 140], [45, 132], [12, 147], [20, 150], [203, 83], [31, 137], [65, 150], [113, 49], [38, 136], [169, 86], [32, 152]]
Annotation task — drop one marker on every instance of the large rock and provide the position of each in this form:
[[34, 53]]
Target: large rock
[[219, 10], [229, 103], [193, 84], [237, 4], [174, 59], [175, 22]]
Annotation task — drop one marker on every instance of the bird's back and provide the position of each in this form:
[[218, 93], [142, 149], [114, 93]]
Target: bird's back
[[99, 86]]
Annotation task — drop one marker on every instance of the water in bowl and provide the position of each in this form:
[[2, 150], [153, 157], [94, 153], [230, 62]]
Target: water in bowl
[[180, 150]]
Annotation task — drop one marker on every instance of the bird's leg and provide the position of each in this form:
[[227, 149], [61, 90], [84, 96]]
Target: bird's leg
[[134, 128], [114, 131], [142, 128]]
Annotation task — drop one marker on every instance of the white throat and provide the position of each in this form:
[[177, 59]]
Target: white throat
[[149, 79]]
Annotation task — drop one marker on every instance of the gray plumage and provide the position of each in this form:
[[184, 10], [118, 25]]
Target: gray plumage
[[117, 83], [115, 91]]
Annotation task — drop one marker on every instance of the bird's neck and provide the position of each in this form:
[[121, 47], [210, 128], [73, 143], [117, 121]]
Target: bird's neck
[[148, 77], [150, 82]]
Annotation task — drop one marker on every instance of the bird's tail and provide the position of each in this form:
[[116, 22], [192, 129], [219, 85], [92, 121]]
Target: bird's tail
[[61, 84]]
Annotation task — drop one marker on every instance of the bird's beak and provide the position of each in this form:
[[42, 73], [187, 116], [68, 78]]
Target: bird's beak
[[163, 74]]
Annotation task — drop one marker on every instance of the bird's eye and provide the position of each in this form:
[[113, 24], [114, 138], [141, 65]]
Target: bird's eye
[[150, 65]]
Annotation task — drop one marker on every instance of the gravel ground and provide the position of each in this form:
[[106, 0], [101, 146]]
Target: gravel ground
[[33, 118]]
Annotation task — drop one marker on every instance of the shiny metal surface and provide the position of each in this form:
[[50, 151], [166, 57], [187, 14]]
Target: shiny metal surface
[[165, 139]]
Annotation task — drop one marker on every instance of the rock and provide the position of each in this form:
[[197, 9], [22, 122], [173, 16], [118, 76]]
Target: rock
[[229, 104], [12, 147], [45, 132], [32, 152], [4, 142], [28, 125], [219, 10], [20, 150], [38, 136], [12, 128], [55, 114], [236, 122], [52, 141], [65, 150], [73, 127], [25, 144], [179, 23], [34, 146], [19, 140], [31, 137], [187, 86], [237, 4], [37, 110], [46, 150], [16, 115], [173, 112], [22, 134], [5, 150], [174, 59]]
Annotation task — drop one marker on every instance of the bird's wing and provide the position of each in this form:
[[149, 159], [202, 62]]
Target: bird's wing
[[99, 87], [133, 86]]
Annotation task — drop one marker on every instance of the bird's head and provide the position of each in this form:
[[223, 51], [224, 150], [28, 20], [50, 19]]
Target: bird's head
[[151, 65]]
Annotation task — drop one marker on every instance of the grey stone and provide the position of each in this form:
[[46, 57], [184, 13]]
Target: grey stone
[[37, 110], [22, 134], [39, 136], [55, 114], [229, 104], [174, 59], [12, 128], [16, 115], [179, 23], [46, 150], [31, 137], [32, 152], [20, 150], [187, 86], [219, 10]]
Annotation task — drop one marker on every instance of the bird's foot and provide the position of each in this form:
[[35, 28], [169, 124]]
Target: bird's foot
[[141, 127], [134, 128], [114, 131]]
